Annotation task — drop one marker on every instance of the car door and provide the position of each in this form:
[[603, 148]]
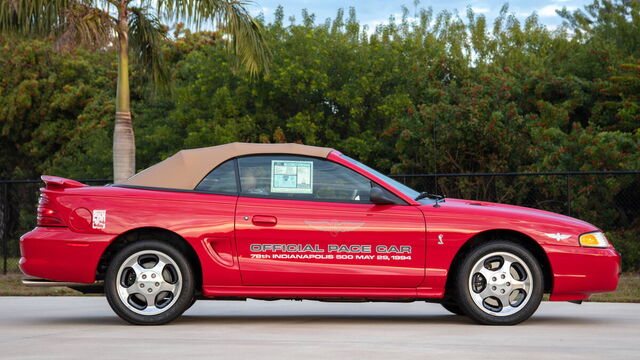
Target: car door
[[303, 221]]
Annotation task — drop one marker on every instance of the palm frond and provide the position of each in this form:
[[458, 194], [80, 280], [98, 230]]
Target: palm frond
[[245, 33], [146, 35], [83, 25], [72, 22], [247, 41], [32, 17], [190, 12]]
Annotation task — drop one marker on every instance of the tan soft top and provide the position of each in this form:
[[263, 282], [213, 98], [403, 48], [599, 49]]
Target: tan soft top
[[186, 168]]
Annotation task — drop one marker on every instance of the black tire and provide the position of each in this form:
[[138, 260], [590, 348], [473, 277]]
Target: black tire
[[193, 301], [183, 278], [452, 307], [491, 310]]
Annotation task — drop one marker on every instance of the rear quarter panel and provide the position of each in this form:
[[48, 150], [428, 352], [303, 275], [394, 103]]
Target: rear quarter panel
[[205, 221]]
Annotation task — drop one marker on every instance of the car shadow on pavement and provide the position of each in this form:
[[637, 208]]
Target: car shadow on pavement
[[376, 319], [325, 319], [217, 319], [336, 319], [84, 320]]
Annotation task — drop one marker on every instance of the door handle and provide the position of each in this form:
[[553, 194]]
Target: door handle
[[263, 220]]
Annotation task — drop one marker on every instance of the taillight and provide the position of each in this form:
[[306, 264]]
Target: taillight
[[46, 215]]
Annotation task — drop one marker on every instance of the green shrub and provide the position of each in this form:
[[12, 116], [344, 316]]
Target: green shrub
[[628, 245]]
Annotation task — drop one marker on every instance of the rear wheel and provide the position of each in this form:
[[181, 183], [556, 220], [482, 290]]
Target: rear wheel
[[499, 283], [149, 283]]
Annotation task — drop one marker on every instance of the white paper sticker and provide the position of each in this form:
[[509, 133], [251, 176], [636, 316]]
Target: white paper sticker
[[292, 176], [99, 219]]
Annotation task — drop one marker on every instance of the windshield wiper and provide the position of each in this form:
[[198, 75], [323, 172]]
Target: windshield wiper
[[436, 197], [423, 195]]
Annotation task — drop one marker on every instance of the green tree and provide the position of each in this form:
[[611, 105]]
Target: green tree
[[99, 23], [47, 99], [607, 25]]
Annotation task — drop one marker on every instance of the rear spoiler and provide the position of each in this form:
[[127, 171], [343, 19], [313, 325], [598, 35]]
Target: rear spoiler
[[59, 183]]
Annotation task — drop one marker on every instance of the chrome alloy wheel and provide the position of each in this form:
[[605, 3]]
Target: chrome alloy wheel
[[500, 284], [149, 282]]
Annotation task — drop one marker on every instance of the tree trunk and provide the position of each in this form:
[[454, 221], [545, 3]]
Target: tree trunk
[[124, 146]]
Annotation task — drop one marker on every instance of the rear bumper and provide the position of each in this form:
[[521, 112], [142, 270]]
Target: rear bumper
[[579, 272], [60, 254]]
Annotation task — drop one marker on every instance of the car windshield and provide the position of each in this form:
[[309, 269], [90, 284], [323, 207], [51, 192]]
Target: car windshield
[[397, 185]]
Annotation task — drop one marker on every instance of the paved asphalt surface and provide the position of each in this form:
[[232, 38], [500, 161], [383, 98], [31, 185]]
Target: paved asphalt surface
[[86, 328]]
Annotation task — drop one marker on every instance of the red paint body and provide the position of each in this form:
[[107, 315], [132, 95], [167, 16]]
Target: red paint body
[[222, 228]]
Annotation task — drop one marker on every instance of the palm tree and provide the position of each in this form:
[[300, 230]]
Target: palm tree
[[134, 28]]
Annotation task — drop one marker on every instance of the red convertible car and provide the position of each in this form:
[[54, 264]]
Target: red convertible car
[[288, 221]]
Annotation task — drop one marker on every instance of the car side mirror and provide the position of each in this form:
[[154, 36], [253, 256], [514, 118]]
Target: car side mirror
[[380, 197]]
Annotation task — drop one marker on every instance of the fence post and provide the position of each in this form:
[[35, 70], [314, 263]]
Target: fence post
[[568, 196], [3, 224]]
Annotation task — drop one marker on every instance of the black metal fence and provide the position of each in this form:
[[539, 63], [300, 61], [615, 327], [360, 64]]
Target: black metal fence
[[18, 203], [608, 199]]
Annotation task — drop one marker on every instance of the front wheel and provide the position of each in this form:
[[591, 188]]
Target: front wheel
[[149, 283], [499, 283]]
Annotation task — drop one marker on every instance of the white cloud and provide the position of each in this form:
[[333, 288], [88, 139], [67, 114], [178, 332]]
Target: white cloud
[[550, 10], [480, 10], [256, 11]]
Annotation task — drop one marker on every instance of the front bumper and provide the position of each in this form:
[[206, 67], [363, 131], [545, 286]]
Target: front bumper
[[60, 254], [579, 272]]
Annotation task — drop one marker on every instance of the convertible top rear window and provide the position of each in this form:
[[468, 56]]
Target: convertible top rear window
[[222, 180]]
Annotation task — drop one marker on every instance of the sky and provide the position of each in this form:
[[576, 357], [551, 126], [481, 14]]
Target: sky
[[374, 12]]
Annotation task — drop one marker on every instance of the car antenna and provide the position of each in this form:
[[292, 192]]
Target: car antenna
[[435, 162]]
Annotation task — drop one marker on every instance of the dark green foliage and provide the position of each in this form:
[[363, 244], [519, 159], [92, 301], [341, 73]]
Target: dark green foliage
[[441, 93], [48, 101], [627, 244]]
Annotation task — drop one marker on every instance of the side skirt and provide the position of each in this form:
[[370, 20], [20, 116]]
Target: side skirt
[[324, 293]]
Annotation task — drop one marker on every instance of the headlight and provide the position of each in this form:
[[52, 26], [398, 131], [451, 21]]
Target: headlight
[[594, 239]]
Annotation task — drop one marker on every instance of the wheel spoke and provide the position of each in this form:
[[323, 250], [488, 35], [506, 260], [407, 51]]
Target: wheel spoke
[[485, 293], [504, 300], [159, 266], [517, 284], [150, 297], [488, 274], [506, 266], [165, 286], [133, 289], [138, 269]]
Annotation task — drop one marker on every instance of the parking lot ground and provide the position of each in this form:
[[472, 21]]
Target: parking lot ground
[[86, 328]]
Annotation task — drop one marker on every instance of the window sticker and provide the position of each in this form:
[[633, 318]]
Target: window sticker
[[292, 176]]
